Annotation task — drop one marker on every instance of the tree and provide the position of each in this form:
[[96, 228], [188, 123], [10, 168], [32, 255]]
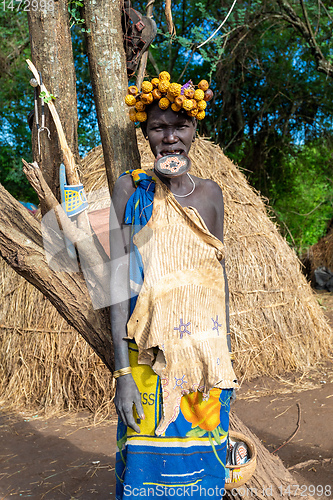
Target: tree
[[54, 55], [20, 234], [14, 74]]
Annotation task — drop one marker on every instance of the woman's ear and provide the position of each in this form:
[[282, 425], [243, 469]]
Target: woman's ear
[[143, 126], [195, 123]]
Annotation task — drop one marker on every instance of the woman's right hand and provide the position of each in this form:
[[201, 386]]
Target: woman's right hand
[[127, 394]]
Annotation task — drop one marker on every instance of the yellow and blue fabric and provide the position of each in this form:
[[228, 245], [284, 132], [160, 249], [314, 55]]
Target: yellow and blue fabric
[[137, 213], [189, 459]]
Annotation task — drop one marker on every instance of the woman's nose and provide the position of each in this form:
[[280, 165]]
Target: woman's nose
[[170, 136]]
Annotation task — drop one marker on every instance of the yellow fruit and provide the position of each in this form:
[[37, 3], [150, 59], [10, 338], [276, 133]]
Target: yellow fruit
[[175, 107], [175, 89], [163, 86], [189, 93], [147, 98], [146, 87], [170, 96], [193, 112], [187, 104], [201, 115], [141, 116], [164, 103], [195, 104], [132, 115], [202, 105], [133, 90], [199, 95], [155, 82], [157, 94], [203, 85], [164, 75], [130, 100], [140, 106], [180, 99]]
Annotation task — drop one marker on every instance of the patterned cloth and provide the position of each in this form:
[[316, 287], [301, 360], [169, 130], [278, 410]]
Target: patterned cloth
[[181, 306], [138, 212], [188, 460]]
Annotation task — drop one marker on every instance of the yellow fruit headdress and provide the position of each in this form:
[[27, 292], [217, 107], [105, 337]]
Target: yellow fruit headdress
[[187, 97]]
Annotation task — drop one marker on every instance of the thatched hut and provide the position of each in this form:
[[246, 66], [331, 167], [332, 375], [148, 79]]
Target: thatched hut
[[319, 257], [276, 322]]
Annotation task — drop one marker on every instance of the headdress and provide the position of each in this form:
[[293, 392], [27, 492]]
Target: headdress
[[187, 97]]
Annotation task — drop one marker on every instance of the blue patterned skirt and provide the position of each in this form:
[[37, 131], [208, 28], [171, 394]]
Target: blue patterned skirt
[[188, 460]]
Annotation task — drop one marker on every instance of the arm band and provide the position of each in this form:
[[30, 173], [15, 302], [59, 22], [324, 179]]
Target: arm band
[[122, 371]]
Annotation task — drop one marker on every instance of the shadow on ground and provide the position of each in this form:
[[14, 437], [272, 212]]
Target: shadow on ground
[[58, 458]]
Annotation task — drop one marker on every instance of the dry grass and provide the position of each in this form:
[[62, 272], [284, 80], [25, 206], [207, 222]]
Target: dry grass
[[320, 254], [276, 322], [43, 362]]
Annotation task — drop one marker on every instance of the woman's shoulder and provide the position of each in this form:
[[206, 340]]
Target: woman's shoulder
[[208, 186]]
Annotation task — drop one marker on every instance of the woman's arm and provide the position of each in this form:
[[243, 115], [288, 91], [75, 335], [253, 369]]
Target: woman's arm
[[127, 392]]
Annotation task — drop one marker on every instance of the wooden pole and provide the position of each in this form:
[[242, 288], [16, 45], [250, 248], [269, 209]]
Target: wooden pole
[[144, 58]]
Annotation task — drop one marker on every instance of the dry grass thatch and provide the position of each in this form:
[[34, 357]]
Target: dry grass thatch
[[44, 363], [276, 322], [320, 254]]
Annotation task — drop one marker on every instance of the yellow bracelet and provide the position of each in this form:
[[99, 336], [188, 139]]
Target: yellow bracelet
[[232, 356], [122, 371]]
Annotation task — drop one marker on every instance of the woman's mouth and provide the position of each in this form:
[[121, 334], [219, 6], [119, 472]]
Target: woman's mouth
[[167, 152]]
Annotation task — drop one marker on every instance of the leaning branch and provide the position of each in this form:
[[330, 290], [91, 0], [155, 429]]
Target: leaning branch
[[21, 246], [304, 28]]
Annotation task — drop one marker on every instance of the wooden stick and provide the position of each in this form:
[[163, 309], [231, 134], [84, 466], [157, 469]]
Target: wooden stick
[[298, 425], [69, 161], [144, 58], [168, 15], [301, 465]]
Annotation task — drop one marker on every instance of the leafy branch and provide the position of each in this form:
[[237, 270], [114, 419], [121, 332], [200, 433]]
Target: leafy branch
[[76, 19], [46, 97]]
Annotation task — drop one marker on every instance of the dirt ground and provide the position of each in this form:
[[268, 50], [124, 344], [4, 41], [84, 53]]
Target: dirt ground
[[72, 457]]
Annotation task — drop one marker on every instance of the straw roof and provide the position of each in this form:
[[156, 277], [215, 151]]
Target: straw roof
[[318, 255], [277, 324]]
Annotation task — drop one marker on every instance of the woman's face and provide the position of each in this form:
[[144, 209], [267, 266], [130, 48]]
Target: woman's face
[[169, 132]]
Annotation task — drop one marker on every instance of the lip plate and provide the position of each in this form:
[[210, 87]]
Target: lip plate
[[167, 172]]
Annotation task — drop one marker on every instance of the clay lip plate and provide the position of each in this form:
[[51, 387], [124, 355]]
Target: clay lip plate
[[173, 165]]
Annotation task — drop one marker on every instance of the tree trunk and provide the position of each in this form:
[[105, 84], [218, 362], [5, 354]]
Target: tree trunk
[[52, 54], [108, 75], [21, 245]]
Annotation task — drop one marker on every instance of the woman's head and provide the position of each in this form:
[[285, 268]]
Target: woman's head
[[168, 131]]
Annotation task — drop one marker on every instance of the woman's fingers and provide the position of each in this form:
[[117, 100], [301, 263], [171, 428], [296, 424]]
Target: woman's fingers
[[130, 422], [138, 406]]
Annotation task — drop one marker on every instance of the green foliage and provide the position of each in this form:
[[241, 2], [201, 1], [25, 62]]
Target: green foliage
[[303, 201], [88, 132], [46, 98], [75, 15], [16, 100]]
